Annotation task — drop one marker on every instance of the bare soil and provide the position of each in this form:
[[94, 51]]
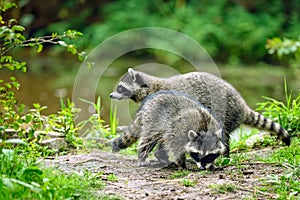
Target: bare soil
[[135, 182]]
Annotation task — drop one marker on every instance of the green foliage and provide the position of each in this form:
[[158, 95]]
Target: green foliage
[[286, 49], [22, 179], [14, 116], [12, 36], [63, 122], [230, 32], [286, 114]]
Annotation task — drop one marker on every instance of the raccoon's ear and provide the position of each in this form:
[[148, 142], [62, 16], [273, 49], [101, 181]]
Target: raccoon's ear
[[132, 73], [192, 134]]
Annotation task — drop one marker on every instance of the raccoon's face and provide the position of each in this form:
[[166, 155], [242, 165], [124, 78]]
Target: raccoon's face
[[204, 148], [132, 85]]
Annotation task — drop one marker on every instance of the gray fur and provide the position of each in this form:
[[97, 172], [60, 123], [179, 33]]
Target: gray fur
[[213, 92], [180, 125]]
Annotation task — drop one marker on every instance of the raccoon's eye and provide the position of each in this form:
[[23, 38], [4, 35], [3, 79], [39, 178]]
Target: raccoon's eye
[[121, 89], [209, 158]]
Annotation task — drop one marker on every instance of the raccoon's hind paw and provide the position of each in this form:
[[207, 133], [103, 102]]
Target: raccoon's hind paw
[[162, 156], [286, 141], [143, 164]]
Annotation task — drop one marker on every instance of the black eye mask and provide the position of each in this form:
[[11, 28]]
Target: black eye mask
[[122, 90], [209, 158]]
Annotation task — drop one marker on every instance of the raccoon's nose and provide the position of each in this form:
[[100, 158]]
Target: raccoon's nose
[[111, 95]]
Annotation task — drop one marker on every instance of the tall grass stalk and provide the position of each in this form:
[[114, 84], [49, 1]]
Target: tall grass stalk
[[113, 120]]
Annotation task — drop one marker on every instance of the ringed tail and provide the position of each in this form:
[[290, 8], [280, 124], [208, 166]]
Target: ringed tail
[[128, 138], [259, 121]]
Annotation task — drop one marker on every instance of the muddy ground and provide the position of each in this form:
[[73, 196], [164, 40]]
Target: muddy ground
[[161, 183]]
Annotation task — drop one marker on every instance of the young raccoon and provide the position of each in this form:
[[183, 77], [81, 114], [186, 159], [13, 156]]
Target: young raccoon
[[213, 92], [179, 124]]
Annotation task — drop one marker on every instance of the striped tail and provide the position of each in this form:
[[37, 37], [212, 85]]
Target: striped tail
[[261, 122], [127, 139]]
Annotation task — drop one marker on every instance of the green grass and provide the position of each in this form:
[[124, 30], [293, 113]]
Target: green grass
[[287, 185], [223, 188], [112, 178], [188, 182], [22, 178], [179, 174]]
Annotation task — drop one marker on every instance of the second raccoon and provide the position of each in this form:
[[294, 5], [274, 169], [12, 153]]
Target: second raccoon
[[179, 124]]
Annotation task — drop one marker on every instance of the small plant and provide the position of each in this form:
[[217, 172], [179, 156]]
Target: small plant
[[179, 174], [188, 183], [223, 188], [238, 141], [286, 114], [94, 124], [112, 178]]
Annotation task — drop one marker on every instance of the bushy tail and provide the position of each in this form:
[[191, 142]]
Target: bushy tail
[[261, 122], [129, 137]]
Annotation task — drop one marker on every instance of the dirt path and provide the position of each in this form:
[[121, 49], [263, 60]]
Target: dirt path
[[232, 182]]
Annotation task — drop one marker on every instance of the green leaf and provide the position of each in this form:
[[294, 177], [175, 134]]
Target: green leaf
[[18, 28], [8, 6], [32, 169], [39, 48], [36, 105], [72, 48]]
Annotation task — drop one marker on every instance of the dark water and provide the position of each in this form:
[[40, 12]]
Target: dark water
[[46, 88]]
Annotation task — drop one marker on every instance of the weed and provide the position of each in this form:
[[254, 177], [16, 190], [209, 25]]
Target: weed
[[239, 138], [188, 183], [63, 122], [179, 174], [112, 177], [223, 188]]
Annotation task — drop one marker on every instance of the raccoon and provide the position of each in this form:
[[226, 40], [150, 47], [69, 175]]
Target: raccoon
[[179, 124], [213, 92]]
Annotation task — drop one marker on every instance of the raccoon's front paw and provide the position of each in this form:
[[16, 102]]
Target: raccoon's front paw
[[210, 168], [115, 147]]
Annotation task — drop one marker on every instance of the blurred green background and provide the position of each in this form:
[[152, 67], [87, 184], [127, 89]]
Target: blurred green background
[[234, 33]]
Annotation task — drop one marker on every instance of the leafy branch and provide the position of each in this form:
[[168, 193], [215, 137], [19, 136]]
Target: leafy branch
[[11, 36]]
